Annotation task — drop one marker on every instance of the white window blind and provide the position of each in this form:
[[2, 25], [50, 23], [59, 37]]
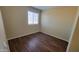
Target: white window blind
[[33, 17]]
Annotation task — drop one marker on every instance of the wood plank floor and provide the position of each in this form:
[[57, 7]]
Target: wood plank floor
[[38, 42]]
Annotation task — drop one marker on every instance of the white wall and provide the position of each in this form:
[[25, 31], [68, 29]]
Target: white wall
[[16, 21], [58, 21], [3, 40]]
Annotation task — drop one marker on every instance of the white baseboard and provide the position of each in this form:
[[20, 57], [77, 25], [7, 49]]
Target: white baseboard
[[16, 36], [20, 35], [56, 37], [36, 32]]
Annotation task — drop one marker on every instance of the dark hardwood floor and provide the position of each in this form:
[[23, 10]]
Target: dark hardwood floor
[[38, 42]]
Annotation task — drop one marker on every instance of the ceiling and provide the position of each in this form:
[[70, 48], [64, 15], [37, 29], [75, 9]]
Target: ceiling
[[43, 7]]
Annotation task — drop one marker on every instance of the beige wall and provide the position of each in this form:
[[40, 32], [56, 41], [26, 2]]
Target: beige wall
[[15, 20], [3, 40], [74, 47], [74, 39], [58, 21]]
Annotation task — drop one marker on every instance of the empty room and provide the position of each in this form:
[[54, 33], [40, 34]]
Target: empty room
[[39, 28]]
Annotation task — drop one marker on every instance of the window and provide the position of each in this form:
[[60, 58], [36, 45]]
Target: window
[[33, 17]]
